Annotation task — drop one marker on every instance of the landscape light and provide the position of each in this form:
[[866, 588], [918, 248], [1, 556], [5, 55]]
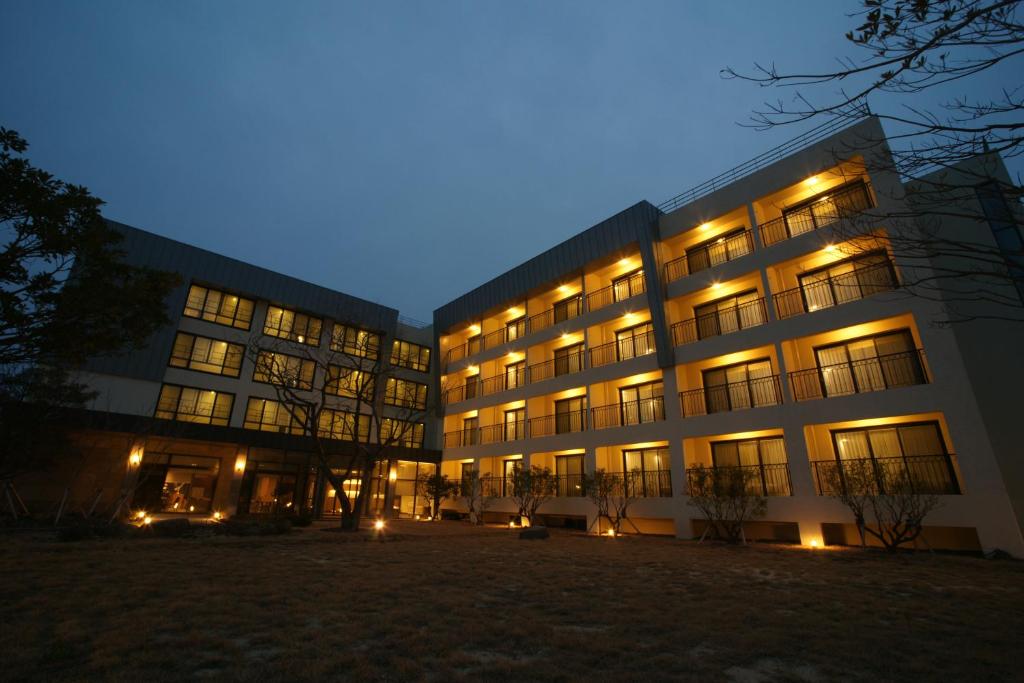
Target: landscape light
[[147, 520], [135, 458], [815, 543], [379, 525], [216, 515], [610, 532]]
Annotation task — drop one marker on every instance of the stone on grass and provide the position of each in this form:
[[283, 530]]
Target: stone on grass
[[534, 533]]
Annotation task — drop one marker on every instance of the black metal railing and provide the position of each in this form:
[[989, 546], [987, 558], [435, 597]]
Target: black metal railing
[[622, 349], [843, 202], [925, 474], [559, 423], [720, 251], [765, 480], [836, 289], [751, 393], [556, 367], [564, 310], [462, 437], [496, 486], [722, 321], [569, 485], [504, 431], [617, 291], [887, 371], [676, 269], [649, 484], [628, 413]]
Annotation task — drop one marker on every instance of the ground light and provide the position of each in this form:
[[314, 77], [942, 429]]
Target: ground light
[[815, 544], [610, 533], [379, 525], [147, 520]]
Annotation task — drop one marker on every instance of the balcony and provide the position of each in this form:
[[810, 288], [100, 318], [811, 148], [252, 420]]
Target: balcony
[[628, 413], [723, 321], [626, 348], [765, 480], [505, 431], [833, 290], [752, 393], [817, 213], [709, 255], [877, 373], [925, 474], [560, 312], [620, 290], [649, 484], [560, 423], [462, 437], [556, 367], [569, 486]]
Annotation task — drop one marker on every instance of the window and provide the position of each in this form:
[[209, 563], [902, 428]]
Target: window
[[402, 392], [915, 450], [206, 355], [408, 355], [401, 432], [470, 431], [293, 326], [647, 472], [634, 341], [473, 345], [343, 425], [869, 364], [729, 314], [568, 359], [514, 329], [510, 468], [848, 280], [472, 382], [718, 250], [284, 370], [826, 208], [219, 307], [515, 424], [642, 403], [569, 473], [350, 383], [767, 455], [628, 285], [355, 341], [188, 404], [274, 416], [267, 488], [176, 483], [569, 415], [743, 385], [568, 308], [515, 374]]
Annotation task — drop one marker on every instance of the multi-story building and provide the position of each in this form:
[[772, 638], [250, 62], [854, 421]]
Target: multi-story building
[[759, 321], [192, 423]]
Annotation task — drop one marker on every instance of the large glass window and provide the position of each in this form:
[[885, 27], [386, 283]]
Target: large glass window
[[767, 456], [284, 370], [470, 431], [355, 341], [634, 341], [401, 432], [267, 488], [569, 415], [273, 416], [642, 403], [207, 355], [188, 404], [350, 383], [718, 250], [730, 314], [870, 364], [514, 329], [916, 450], [568, 308], [176, 483], [515, 374], [515, 424], [405, 393], [345, 426], [848, 280], [629, 285], [568, 359], [219, 307], [408, 355], [647, 471], [569, 472], [293, 326], [744, 385]]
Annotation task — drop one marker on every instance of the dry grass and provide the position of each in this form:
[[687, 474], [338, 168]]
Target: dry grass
[[448, 602]]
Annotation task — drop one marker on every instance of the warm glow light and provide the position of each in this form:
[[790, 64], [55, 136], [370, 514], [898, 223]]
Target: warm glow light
[[379, 525], [511, 525], [301, 339], [716, 285], [240, 463], [629, 317], [474, 329], [216, 514], [815, 543], [191, 508], [140, 514], [813, 180], [829, 248], [610, 532], [135, 458], [147, 520], [624, 262], [513, 311], [566, 336], [705, 226], [563, 289], [393, 475], [473, 369]]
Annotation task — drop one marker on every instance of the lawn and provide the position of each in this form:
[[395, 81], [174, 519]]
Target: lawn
[[447, 601]]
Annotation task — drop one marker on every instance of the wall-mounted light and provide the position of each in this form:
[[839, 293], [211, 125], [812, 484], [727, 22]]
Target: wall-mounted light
[[563, 289], [813, 180], [830, 248], [623, 262], [705, 226], [240, 463], [473, 369], [393, 475], [135, 457], [716, 285], [474, 329]]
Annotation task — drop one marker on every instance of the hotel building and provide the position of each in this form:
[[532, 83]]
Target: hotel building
[[759, 321]]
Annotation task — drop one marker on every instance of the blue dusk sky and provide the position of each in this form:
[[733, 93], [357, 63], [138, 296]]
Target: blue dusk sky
[[404, 152]]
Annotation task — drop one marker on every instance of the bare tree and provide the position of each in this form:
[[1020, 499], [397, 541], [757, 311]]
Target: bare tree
[[531, 488], [612, 496], [885, 503], [476, 495], [345, 397], [728, 497], [950, 150]]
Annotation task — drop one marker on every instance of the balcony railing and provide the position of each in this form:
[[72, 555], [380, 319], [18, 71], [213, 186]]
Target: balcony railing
[[766, 480], [505, 431], [628, 413], [496, 486], [569, 485], [622, 349], [752, 393], [556, 367], [617, 291], [722, 321], [566, 310], [926, 474], [844, 202], [462, 437], [560, 423], [834, 290], [860, 376], [709, 255], [650, 484]]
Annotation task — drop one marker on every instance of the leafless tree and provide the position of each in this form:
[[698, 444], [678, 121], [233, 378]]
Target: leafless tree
[[612, 496], [727, 497], [345, 397], [476, 494], [910, 47], [531, 488], [886, 504]]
